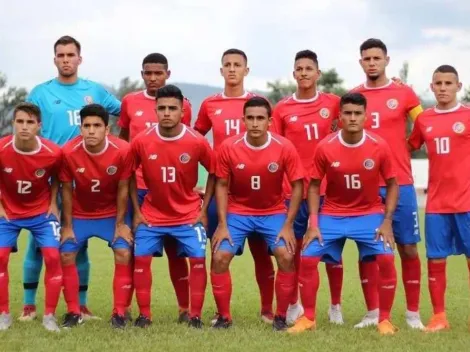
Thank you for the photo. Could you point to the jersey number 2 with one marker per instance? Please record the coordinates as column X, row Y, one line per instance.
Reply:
column 95, row 187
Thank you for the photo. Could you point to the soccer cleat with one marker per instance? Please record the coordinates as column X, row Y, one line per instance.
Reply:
column 71, row 320
column 215, row 318
column 142, row 322
column 414, row 320
column 279, row 323
column 28, row 314
column 302, row 324
column 118, row 321
column 294, row 312
column 87, row 314
column 222, row 323
column 183, row 317
column 335, row 315
column 370, row 319
column 5, row 321
column 437, row 323
column 50, row 323
column 267, row 317
column 195, row 322
column 385, row 327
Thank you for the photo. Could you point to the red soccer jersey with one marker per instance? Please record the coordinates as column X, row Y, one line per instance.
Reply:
column 387, row 113
column 24, row 177
column 223, row 115
column 170, row 169
column 353, row 173
column 305, row 123
column 138, row 114
column 447, row 138
column 255, row 174
column 96, row 176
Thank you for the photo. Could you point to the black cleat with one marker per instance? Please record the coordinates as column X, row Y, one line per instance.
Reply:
column 196, row 323
column 142, row 322
column 71, row 320
column 222, row 323
column 183, row 317
column 279, row 323
column 118, row 321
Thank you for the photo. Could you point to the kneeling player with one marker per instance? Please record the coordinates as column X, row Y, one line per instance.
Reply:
column 169, row 154
column 352, row 160
column 29, row 202
column 250, row 170
column 99, row 166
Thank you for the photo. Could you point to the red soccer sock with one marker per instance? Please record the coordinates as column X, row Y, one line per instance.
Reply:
column 71, row 284
column 309, row 280
column 264, row 271
column 283, row 286
column 222, row 290
column 4, row 280
column 298, row 252
column 411, row 275
column 369, row 272
column 197, row 285
column 52, row 278
column 143, row 283
column 387, row 284
column 437, row 282
column 179, row 273
column 131, row 293
column 122, row 287
column 335, row 280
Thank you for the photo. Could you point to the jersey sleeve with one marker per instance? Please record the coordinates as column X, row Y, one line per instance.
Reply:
column 110, row 103
column 416, row 140
column 222, row 167
column 187, row 116
column 127, row 164
column 413, row 104
column 124, row 118
column 319, row 164
column 293, row 164
column 65, row 173
column 206, row 157
column 277, row 126
column 387, row 167
column 203, row 123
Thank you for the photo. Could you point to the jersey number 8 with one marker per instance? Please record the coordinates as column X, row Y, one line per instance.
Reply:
column 255, row 182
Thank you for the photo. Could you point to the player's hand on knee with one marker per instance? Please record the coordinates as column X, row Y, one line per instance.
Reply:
column 123, row 231
column 385, row 233
column 311, row 235
column 139, row 218
column 221, row 234
column 53, row 210
column 67, row 234
column 202, row 218
column 287, row 234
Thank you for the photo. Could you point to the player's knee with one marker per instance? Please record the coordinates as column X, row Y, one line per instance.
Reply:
column 68, row 258
column 408, row 251
column 122, row 256
column 51, row 256
column 221, row 261
column 386, row 262
column 285, row 260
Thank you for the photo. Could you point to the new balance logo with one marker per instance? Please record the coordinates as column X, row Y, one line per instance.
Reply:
column 335, row 164
column 8, row 170
column 293, row 119
column 126, row 287
column 429, row 129
column 218, row 112
column 138, row 270
column 153, row 157
column 139, row 113
column 240, row 166
column 81, row 170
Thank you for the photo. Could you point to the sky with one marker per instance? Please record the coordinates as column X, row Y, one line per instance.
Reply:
column 116, row 35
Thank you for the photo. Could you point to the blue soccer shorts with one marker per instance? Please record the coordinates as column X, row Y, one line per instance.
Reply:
column 405, row 221
column 447, row 234
column 212, row 218
column 44, row 230
column 336, row 229
column 191, row 240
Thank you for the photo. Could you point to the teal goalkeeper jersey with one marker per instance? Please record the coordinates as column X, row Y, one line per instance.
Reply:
column 60, row 105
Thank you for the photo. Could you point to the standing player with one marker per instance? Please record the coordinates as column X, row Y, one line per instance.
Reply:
column 250, row 170
column 60, row 101
column 95, row 188
column 353, row 161
column 222, row 113
column 388, row 106
column 445, row 130
column 29, row 202
column 138, row 114
column 169, row 154
column 305, row 118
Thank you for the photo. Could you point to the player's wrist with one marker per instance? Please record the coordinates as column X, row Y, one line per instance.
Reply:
column 313, row 220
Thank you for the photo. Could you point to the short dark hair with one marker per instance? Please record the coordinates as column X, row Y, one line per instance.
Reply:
column 169, row 91
column 373, row 43
column 94, row 110
column 353, row 98
column 307, row 54
column 257, row 102
column 65, row 40
column 28, row 108
column 155, row 58
column 447, row 69
column 234, row 51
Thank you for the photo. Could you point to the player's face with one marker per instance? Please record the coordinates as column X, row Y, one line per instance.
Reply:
column 353, row 117
column 234, row 69
column 169, row 112
column 445, row 87
column 373, row 62
column 67, row 60
column 154, row 76
column 26, row 127
column 306, row 73
column 257, row 121
column 94, row 131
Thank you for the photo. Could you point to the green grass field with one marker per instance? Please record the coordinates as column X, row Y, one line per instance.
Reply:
column 248, row 333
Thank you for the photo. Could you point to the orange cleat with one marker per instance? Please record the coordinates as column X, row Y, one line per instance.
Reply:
column 437, row 323
column 385, row 327
column 302, row 324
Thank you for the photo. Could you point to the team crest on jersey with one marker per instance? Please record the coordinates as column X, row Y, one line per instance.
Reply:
column 325, row 113
column 458, row 127
column 40, row 173
column 88, row 99
column 184, row 158
column 392, row 104
column 273, row 167
column 369, row 164
column 111, row 170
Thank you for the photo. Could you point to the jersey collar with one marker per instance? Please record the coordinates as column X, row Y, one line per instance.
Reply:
column 175, row 138
column 101, row 152
column 311, row 100
column 455, row 108
column 355, row 145
column 264, row 146
column 384, row 86
column 27, row 153
column 147, row 95
column 244, row 95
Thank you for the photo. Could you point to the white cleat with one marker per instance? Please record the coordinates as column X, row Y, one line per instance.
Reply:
column 370, row 319
column 5, row 321
column 294, row 312
column 414, row 320
column 335, row 315
column 50, row 323
column 28, row 314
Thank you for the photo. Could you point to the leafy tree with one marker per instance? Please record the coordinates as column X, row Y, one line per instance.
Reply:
column 466, row 95
column 278, row 90
column 331, row 82
column 9, row 98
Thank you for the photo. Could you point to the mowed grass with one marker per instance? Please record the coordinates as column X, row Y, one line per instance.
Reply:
column 247, row 333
